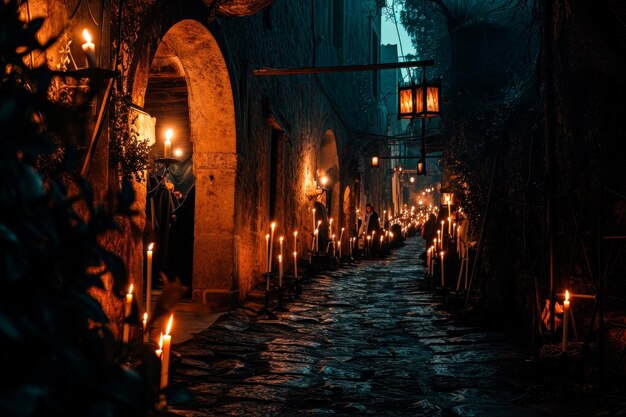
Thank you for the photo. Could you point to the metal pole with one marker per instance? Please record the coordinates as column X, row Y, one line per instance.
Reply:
column 342, row 68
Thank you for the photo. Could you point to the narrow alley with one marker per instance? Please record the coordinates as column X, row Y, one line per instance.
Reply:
column 370, row 339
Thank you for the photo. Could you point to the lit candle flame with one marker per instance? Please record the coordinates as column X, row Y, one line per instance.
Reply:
column 169, row 134
column 295, row 234
column 87, row 36
column 151, row 246
column 566, row 295
column 161, row 341
column 145, row 317
column 273, row 225
column 130, row 289
column 168, row 329
column 178, row 152
column 281, row 239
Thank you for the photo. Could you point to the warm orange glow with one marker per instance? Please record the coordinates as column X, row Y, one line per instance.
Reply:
column 130, row 289
column 432, row 99
column 566, row 295
column 178, row 152
column 406, row 101
column 151, row 247
column 168, row 329
column 324, row 181
column 161, row 341
column 295, row 234
column 273, row 226
column 145, row 317
column 87, row 36
column 374, row 161
column 169, row 134
column 442, row 254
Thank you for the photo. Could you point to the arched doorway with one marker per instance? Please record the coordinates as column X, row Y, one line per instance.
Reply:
column 328, row 165
column 189, row 66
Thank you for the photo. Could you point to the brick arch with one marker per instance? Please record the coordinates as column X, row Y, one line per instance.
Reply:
column 213, row 133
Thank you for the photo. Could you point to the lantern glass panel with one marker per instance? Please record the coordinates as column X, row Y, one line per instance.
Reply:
column 406, row 101
column 432, row 100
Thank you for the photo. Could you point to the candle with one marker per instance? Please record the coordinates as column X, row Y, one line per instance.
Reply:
column 167, row 151
column 341, row 234
column 145, row 327
column 339, row 247
column 428, row 260
column 295, row 264
column 280, row 271
column 438, row 238
column 267, row 253
column 149, row 280
column 159, row 351
column 442, row 274
column 317, row 240
column 442, row 222
column 565, row 320
column 280, row 239
column 330, row 227
column 165, row 357
column 313, row 219
column 432, row 261
column 295, row 240
column 89, row 49
column 449, row 223
column 127, row 309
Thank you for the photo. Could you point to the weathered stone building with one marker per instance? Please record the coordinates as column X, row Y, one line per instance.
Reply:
column 257, row 146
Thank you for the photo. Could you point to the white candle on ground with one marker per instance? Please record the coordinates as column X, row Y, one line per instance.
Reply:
column 295, row 240
column 145, row 327
column 165, row 357
column 127, row 309
column 149, row 280
column 273, row 227
column 267, row 253
column 565, row 320
column 442, row 274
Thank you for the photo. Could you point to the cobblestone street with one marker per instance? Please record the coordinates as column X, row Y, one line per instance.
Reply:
column 370, row 339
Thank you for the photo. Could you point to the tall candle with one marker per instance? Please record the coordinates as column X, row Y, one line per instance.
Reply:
column 89, row 49
column 442, row 274
column 127, row 309
column 565, row 320
column 280, row 271
column 273, row 227
column 436, row 240
column 339, row 247
column 280, row 239
column 449, row 224
column 442, row 222
column 149, row 280
column 165, row 357
column 295, row 264
column 295, row 240
column 330, row 227
column 317, row 240
column 428, row 260
column 313, row 219
column 267, row 253
column 145, row 327
column 167, row 151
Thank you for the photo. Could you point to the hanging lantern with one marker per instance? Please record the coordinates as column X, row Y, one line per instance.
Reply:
column 375, row 162
column 418, row 101
column 420, row 167
column 447, row 198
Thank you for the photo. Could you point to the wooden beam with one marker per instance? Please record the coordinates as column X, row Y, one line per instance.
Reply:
column 342, row 68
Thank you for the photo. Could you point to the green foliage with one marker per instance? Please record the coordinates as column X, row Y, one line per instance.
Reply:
column 57, row 356
column 129, row 152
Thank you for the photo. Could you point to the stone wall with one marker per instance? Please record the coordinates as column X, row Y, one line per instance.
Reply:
column 301, row 108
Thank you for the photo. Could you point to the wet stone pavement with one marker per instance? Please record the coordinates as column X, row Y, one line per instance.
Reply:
column 369, row 339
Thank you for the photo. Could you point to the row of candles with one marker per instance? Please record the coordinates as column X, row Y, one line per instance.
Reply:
column 165, row 339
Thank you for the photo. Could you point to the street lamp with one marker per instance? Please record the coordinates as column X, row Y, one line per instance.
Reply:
column 418, row 101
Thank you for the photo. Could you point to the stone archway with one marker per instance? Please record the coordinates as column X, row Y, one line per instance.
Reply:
column 212, row 132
